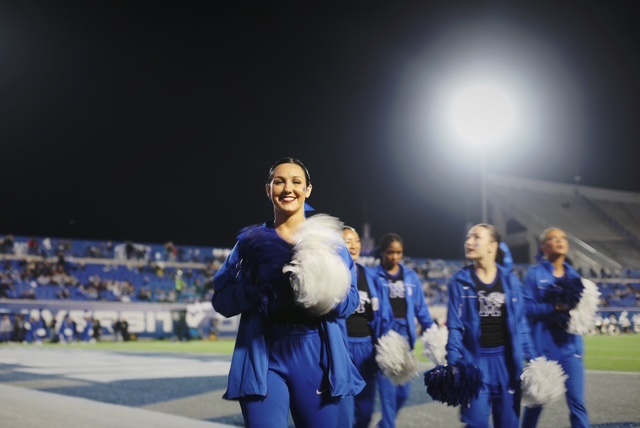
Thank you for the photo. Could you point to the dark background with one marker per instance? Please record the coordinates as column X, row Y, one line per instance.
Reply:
column 133, row 120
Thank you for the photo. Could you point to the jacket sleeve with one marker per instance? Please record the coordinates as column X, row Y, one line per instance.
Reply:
column 524, row 330
column 454, row 323
column 420, row 304
column 535, row 308
column 348, row 306
column 232, row 292
column 384, row 315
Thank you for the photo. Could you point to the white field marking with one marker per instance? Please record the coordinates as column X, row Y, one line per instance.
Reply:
column 106, row 367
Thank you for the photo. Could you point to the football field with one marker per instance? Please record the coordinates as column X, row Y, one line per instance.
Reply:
column 163, row 383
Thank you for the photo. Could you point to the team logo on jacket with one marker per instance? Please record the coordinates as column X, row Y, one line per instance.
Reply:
column 491, row 304
column 364, row 300
column 397, row 289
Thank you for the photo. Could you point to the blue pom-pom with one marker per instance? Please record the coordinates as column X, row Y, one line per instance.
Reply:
column 263, row 254
column 566, row 292
column 454, row 384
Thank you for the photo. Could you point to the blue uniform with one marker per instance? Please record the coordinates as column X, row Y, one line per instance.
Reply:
column 555, row 343
column 357, row 411
column 67, row 331
column 277, row 367
column 501, row 366
column 393, row 397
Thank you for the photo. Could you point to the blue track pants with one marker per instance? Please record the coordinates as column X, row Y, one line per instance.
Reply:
column 357, row 411
column 573, row 366
column 393, row 397
column 296, row 382
column 497, row 399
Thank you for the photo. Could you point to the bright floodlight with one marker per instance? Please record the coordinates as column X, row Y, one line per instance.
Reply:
column 481, row 112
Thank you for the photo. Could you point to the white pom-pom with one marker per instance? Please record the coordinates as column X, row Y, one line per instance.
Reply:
column 583, row 317
column 542, row 382
column 396, row 359
column 318, row 275
column 434, row 341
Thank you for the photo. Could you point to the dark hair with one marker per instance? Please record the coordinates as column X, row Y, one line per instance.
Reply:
column 493, row 233
column 272, row 170
column 385, row 242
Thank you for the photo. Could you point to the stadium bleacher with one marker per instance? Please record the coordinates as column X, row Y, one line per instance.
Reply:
column 77, row 271
column 603, row 225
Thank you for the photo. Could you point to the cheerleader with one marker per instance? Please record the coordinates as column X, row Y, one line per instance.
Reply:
column 293, row 283
column 370, row 320
column 488, row 330
column 402, row 290
column 552, row 291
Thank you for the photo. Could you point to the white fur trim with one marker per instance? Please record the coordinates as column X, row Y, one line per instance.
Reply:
column 434, row 341
column 396, row 359
column 583, row 317
column 543, row 381
column 319, row 276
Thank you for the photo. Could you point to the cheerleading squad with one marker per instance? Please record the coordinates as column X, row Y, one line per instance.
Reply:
column 321, row 334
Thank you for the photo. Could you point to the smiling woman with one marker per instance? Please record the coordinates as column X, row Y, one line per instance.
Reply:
column 293, row 282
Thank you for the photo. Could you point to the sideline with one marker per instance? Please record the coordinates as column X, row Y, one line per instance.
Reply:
column 59, row 411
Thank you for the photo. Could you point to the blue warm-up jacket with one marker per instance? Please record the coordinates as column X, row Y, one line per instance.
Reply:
column 548, row 337
column 416, row 303
column 383, row 314
column 463, row 321
column 234, row 294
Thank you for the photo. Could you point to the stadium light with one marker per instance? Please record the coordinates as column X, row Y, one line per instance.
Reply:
column 484, row 93
column 481, row 111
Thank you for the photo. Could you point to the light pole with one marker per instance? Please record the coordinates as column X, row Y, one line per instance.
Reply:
column 483, row 191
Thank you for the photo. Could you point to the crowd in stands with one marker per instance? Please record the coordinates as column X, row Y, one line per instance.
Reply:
column 151, row 282
column 60, row 269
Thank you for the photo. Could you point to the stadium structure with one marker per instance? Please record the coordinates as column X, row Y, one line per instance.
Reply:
column 603, row 225
column 58, row 287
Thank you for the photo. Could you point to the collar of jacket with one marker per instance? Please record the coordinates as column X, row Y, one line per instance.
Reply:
column 548, row 266
column 466, row 275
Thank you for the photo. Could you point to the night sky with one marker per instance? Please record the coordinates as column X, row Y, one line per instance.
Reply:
column 130, row 120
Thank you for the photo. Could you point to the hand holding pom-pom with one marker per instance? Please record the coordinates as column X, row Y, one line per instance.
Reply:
column 396, row 359
column 454, row 384
column 263, row 253
column 565, row 296
column 543, row 381
column 318, row 275
column 576, row 301
column 582, row 318
column 434, row 341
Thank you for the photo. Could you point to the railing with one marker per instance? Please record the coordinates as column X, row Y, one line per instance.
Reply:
column 579, row 249
column 611, row 220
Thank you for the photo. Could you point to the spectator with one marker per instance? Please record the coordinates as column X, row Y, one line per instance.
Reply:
column 6, row 328
column 19, row 329
column 46, row 248
column 129, row 250
column 97, row 329
column 117, row 330
column 32, row 247
column 67, row 331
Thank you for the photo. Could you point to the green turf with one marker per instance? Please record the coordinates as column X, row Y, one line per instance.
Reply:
column 608, row 353
column 613, row 353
